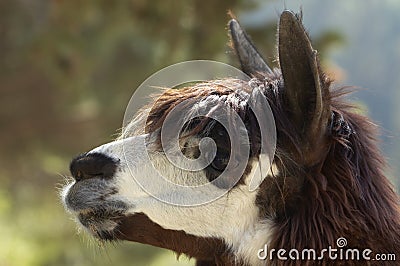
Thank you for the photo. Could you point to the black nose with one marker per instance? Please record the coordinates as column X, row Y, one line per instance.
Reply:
column 92, row 165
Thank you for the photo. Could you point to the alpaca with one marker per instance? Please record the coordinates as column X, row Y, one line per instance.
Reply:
column 325, row 182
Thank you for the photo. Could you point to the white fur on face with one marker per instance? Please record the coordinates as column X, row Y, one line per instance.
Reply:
column 233, row 217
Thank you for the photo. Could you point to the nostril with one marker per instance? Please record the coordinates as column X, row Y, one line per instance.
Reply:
column 92, row 165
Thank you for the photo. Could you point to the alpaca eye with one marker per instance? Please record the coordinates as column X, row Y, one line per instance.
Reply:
column 220, row 161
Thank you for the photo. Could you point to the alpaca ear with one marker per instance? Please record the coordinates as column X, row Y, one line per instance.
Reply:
column 250, row 59
column 304, row 95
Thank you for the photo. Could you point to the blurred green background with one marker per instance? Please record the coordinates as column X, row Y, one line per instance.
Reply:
column 69, row 68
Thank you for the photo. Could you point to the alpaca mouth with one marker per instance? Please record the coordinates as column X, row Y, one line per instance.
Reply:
column 95, row 205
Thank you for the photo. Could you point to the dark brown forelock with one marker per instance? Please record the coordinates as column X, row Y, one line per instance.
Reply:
column 232, row 92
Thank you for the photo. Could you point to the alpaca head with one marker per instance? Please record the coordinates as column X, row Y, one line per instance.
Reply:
column 221, row 165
